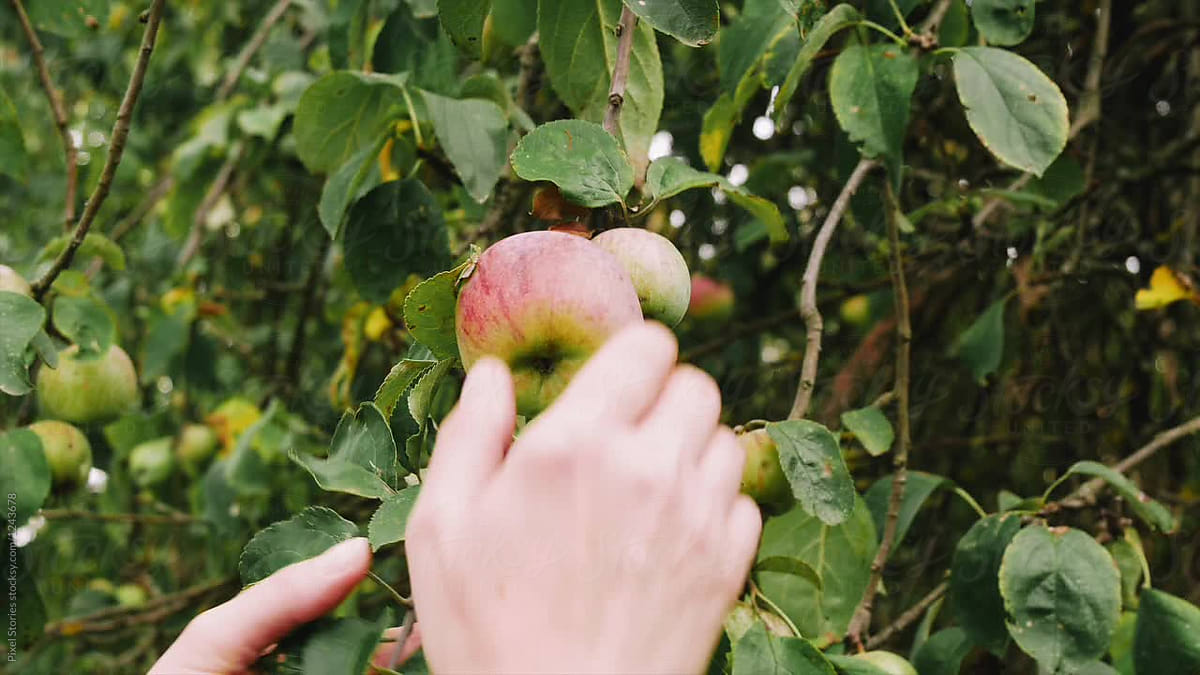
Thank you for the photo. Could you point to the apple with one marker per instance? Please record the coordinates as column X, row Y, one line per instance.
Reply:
column 196, row 445
column 711, row 299
column 657, row 269
column 130, row 595
column 856, row 310
column 888, row 662
column 543, row 302
column 152, row 462
column 86, row 391
column 67, row 451
column 762, row 476
column 13, row 282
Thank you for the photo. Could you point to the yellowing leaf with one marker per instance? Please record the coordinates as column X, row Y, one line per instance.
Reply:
column 231, row 419
column 1165, row 288
column 387, row 172
column 378, row 324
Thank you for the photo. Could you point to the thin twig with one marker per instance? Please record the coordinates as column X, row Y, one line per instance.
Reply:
column 808, row 290
column 113, row 618
column 861, row 620
column 76, row 514
column 910, row 615
column 56, row 108
column 406, row 627
column 1087, row 491
column 120, row 133
column 256, row 42
column 196, row 236
column 144, row 207
column 291, row 371
column 926, row 35
column 400, row 599
column 528, row 58
column 616, row 93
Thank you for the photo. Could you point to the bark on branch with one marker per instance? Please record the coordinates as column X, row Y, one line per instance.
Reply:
column 616, row 93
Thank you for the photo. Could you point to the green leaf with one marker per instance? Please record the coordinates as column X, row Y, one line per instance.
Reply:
column 340, row 114
column 871, row 88
column 463, row 21
column 669, row 176
column 1167, row 638
column 339, row 475
column 305, row 535
column 246, row 471
column 788, row 565
column 262, row 120
column 355, row 177
column 514, row 20
column 397, row 382
column 29, row 610
column 343, row 645
column 579, row 48
column 1149, row 510
column 429, row 312
column 943, row 652
column 956, row 25
column 840, row 17
column 421, row 396
column 94, row 245
column 390, row 519
column 25, row 481
column 981, row 345
column 813, row 464
column 365, row 439
column 761, row 653
column 918, row 487
column 1128, row 556
column 871, row 427
column 1003, row 22
column 840, row 554
column 395, row 230
column 1120, row 650
column 21, row 319
column 692, row 22
column 418, row 48
column 851, row 665
column 13, row 156
column 1062, row 595
column 581, row 158
column 85, row 322
column 474, row 135
column 974, row 579
column 1014, row 109
column 1062, row 182
column 68, row 18
column 716, row 130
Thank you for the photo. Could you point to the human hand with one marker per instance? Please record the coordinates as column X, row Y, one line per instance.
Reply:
column 229, row 638
column 610, row 537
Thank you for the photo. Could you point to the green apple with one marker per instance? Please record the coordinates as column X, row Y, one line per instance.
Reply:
column 86, row 391
column 762, row 476
column 543, row 302
column 67, row 451
column 856, row 310
column 13, row 282
column 711, row 299
column 152, row 462
column 657, row 269
column 130, row 595
column 197, row 443
column 892, row 664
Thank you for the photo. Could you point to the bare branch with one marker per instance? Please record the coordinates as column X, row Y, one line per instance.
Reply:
column 120, row 133
column 910, row 615
column 1087, row 492
column 861, row 620
column 256, row 42
column 196, row 236
column 114, row 618
column 57, row 109
column 146, row 519
column 808, row 291
column 616, row 93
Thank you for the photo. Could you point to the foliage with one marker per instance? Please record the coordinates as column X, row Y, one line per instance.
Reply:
column 299, row 202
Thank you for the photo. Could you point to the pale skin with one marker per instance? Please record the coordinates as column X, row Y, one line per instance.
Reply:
column 609, row 537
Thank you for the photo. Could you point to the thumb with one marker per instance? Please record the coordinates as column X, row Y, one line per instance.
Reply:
column 475, row 435
column 230, row 637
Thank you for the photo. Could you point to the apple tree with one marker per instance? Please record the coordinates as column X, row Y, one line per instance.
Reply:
column 938, row 254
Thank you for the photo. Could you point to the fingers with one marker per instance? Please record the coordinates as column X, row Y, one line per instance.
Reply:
column 684, row 417
column 744, row 528
column 229, row 637
column 720, row 469
column 621, row 381
column 475, row 435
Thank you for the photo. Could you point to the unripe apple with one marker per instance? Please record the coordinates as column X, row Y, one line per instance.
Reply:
column 762, row 477
column 67, row 451
column 85, row 391
column 856, row 310
column 657, row 269
column 711, row 299
column 130, row 595
column 197, row 443
column 152, row 462
column 13, row 282
column 892, row 664
column 543, row 302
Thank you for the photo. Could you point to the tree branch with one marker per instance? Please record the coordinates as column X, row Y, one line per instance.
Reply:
column 114, row 618
column 808, row 291
column 910, row 615
column 196, row 236
column 291, row 371
column 616, row 93
column 256, row 42
column 57, row 109
column 1087, row 492
column 74, row 514
column 862, row 614
column 120, row 133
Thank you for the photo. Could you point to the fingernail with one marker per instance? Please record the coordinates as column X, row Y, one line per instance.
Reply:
column 345, row 555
